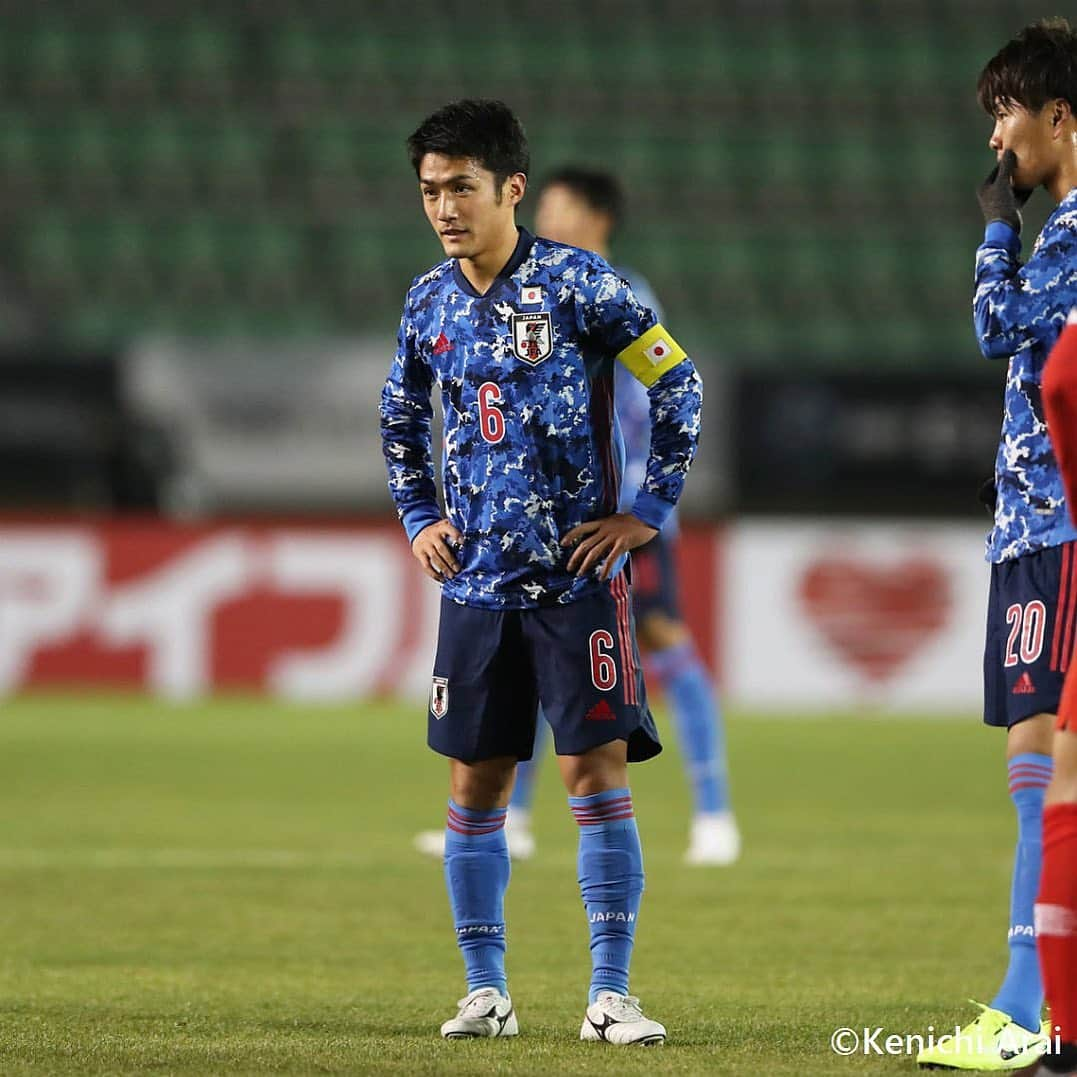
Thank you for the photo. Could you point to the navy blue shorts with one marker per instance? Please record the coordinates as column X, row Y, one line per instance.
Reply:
column 654, row 578
column 494, row 667
column 1030, row 634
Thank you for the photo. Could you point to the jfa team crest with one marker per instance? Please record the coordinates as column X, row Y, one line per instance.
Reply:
column 532, row 336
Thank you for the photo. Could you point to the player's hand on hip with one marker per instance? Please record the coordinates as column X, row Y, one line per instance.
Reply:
column 605, row 540
column 999, row 199
column 433, row 549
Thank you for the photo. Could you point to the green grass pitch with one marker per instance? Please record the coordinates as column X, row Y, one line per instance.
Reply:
column 231, row 888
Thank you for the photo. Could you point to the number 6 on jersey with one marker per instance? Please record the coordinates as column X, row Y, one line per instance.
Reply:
column 491, row 421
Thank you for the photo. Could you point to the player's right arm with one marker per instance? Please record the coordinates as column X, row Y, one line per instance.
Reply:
column 405, row 433
column 1012, row 300
column 1013, row 303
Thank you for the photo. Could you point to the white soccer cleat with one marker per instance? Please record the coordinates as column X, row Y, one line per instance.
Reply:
column 618, row 1019
column 715, row 840
column 485, row 1012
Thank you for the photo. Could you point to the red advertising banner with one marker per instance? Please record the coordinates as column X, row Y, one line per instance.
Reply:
column 313, row 612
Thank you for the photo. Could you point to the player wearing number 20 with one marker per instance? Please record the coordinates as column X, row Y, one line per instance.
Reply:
column 1029, row 89
column 522, row 335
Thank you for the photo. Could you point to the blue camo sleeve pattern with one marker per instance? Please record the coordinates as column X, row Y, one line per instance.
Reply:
column 607, row 309
column 405, row 433
column 676, row 411
column 1015, row 305
column 1018, row 313
column 634, row 406
column 610, row 313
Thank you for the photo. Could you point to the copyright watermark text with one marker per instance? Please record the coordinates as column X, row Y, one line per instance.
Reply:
column 878, row 1041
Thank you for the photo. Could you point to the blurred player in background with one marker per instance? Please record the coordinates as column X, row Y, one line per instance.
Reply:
column 522, row 336
column 1056, row 905
column 1030, row 90
column 583, row 208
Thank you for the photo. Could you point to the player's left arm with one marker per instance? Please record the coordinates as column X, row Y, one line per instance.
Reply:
column 675, row 391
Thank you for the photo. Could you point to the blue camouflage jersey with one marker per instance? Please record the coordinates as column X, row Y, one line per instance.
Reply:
column 1018, row 313
column 532, row 445
column 633, row 408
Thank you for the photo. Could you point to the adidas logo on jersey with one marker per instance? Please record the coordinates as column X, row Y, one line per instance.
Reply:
column 442, row 345
column 1024, row 686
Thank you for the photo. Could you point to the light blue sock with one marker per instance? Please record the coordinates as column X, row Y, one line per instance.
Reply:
column 523, row 792
column 477, row 875
column 610, row 867
column 1021, row 993
column 699, row 723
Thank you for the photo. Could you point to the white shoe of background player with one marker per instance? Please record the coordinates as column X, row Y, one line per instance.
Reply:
column 518, row 834
column 715, row 840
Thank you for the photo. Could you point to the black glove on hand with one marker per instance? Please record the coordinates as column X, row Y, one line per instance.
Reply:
column 999, row 199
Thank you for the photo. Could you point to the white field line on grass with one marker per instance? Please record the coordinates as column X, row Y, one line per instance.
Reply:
column 15, row 859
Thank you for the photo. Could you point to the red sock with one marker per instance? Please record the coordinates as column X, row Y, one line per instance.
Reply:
column 1056, row 917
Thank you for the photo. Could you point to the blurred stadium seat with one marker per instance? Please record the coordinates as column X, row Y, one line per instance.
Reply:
column 800, row 174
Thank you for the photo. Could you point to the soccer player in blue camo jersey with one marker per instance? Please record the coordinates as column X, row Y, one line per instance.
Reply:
column 521, row 336
column 583, row 207
column 1030, row 90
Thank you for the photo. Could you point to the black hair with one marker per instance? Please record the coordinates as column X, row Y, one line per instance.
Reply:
column 601, row 191
column 1037, row 66
column 484, row 131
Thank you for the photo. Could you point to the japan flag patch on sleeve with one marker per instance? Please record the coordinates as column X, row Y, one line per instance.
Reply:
column 651, row 355
column 659, row 351
column 439, row 697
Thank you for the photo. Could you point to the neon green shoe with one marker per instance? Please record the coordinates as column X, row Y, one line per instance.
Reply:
column 992, row 1042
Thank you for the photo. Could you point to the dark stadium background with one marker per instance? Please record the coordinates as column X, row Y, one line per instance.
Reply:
column 800, row 181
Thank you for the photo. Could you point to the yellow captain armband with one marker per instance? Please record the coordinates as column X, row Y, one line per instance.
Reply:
column 651, row 355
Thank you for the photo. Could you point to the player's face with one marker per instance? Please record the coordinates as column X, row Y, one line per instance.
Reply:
column 461, row 204
column 563, row 216
column 1029, row 135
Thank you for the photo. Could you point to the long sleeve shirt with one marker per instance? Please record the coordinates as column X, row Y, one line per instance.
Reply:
column 532, row 443
column 1018, row 312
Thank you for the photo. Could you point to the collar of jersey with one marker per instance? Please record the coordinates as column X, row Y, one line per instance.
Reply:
column 523, row 249
column 1067, row 205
